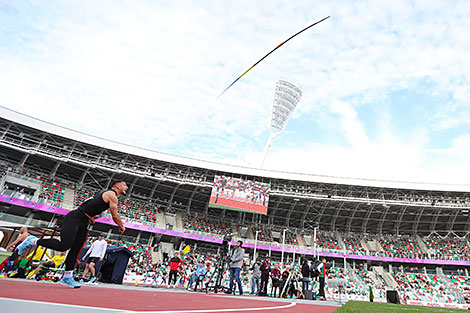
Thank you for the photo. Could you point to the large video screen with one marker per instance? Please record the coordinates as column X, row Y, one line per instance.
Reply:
column 240, row 194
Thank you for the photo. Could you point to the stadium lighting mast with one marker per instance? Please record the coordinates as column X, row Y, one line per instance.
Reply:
column 283, row 244
column 286, row 97
column 256, row 241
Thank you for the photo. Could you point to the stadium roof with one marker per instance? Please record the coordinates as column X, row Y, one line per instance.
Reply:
column 147, row 153
column 296, row 200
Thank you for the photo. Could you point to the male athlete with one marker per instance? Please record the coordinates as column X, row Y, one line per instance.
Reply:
column 75, row 228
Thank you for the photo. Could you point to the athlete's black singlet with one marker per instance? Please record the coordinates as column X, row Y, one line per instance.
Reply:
column 95, row 205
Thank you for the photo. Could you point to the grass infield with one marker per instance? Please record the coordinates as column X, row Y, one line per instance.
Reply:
column 368, row 307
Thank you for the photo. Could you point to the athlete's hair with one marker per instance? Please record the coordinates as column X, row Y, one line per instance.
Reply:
column 117, row 182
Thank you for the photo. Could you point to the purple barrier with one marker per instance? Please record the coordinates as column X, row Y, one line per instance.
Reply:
column 109, row 221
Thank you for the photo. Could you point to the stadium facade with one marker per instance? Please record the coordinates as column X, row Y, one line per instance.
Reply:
column 297, row 200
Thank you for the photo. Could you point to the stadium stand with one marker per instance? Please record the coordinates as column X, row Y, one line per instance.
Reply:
column 291, row 238
column 354, row 245
column 140, row 263
column 401, row 247
column 327, row 241
column 448, row 248
column 264, row 233
column 422, row 287
column 205, row 225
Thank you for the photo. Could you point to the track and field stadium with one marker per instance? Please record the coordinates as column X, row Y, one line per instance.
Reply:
column 384, row 241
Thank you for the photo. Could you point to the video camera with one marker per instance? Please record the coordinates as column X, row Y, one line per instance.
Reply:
column 226, row 243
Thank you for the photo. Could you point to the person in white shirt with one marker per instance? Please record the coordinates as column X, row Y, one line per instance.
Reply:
column 96, row 252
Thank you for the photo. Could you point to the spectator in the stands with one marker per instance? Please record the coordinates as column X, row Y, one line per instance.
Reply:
column 4, row 188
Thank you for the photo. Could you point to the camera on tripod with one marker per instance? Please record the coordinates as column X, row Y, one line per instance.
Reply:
column 226, row 240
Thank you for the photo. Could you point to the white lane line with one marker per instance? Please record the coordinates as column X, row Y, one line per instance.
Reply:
column 227, row 310
column 181, row 311
column 63, row 305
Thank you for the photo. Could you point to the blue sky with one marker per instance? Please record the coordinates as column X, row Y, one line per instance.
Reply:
column 385, row 84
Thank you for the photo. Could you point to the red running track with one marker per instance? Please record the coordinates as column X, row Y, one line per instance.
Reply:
column 142, row 300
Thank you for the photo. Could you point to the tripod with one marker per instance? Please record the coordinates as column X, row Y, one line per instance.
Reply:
column 218, row 274
column 287, row 283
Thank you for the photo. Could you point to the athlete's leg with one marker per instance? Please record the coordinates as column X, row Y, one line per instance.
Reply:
column 87, row 268
column 80, row 239
column 92, row 269
column 68, row 233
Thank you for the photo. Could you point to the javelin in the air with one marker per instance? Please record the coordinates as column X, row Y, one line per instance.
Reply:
column 270, row 53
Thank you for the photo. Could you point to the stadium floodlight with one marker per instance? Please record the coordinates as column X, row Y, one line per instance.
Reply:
column 286, row 97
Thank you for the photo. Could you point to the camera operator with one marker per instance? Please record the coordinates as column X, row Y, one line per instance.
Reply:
column 236, row 262
column 305, row 275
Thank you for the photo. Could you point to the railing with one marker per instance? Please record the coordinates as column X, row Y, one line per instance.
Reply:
column 456, row 292
column 22, row 220
column 356, row 280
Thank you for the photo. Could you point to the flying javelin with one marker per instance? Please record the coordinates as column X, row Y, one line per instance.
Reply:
column 277, row 47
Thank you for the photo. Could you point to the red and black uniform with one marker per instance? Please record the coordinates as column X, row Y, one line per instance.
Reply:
column 265, row 270
column 321, row 280
column 276, row 279
column 174, row 263
column 284, row 277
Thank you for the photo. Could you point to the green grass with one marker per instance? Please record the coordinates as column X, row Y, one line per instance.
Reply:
column 368, row 307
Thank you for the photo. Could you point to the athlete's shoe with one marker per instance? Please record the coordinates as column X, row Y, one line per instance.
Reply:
column 92, row 280
column 25, row 245
column 69, row 282
column 81, row 281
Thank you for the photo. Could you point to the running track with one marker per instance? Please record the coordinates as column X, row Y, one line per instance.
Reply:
column 137, row 299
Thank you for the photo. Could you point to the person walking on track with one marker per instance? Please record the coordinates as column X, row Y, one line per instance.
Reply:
column 96, row 252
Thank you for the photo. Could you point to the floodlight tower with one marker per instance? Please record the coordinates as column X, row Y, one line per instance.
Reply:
column 286, row 97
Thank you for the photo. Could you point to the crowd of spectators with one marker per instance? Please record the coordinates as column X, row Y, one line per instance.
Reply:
column 264, row 234
column 206, row 225
column 354, row 245
column 144, row 212
column 401, row 247
column 52, row 191
column 448, row 249
column 423, row 287
column 291, row 238
column 327, row 241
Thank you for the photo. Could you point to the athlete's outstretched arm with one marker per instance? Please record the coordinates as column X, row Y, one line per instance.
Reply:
column 21, row 237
